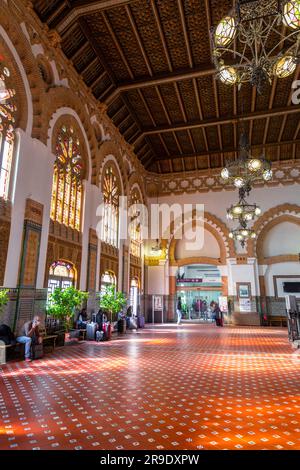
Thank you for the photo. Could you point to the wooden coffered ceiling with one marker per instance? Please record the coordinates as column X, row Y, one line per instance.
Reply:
column 150, row 62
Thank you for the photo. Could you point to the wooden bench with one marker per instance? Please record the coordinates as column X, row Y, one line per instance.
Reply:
column 48, row 338
column 81, row 331
column 277, row 321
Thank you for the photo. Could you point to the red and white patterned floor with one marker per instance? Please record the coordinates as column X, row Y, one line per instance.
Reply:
column 166, row 387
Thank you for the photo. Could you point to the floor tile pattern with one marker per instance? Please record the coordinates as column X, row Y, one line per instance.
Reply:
column 165, row 387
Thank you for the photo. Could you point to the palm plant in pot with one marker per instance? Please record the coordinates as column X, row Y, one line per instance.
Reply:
column 113, row 302
column 64, row 302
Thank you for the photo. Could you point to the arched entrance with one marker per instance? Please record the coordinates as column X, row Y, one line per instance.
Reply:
column 62, row 274
column 134, row 295
column 198, row 285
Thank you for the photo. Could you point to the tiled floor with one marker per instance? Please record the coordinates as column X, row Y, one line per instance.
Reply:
column 166, row 387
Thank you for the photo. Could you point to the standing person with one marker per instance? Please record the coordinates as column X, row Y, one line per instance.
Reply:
column 217, row 313
column 29, row 335
column 179, row 311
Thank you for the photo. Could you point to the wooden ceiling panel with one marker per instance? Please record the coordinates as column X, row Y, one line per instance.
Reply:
column 157, row 146
column 198, row 139
column 225, row 99
column 212, row 137
column 171, row 102
column 258, row 131
column 120, row 24
column 139, row 108
column 185, row 142
column 227, row 135
column 73, row 41
column 197, row 28
column 205, row 86
column 274, row 129
column 286, row 152
column 171, row 143
column 291, row 128
column 153, row 101
column 177, row 164
column 187, row 93
column 150, row 62
column 283, row 90
column 173, row 33
column 104, row 40
column 144, row 19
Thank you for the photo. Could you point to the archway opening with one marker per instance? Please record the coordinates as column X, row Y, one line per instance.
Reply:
column 62, row 274
column 134, row 295
column 108, row 278
column 198, row 285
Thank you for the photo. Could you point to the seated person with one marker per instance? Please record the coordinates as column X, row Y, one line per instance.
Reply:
column 82, row 319
column 29, row 335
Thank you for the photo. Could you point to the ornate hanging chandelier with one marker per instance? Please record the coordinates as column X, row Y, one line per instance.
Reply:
column 243, row 171
column 257, row 41
column 243, row 211
column 242, row 234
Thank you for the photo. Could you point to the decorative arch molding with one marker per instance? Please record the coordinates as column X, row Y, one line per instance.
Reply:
column 67, row 116
column 109, row 151
column 217, row 228
column 271, row 218
column 64, row 101
column 134, row 181
column 14, row 39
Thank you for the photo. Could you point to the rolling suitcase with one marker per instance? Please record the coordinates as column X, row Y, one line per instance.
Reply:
column 106, row 327
column 141, row 321
column 91, row 329
column 122, row 325
column 100, row 336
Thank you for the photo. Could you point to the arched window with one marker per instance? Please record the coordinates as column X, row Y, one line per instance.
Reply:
column 135, row 226
column 134, row 295
column 107, row 279
column 110, row 222
column 62, row 274
column 67, row 179
column 7, row 135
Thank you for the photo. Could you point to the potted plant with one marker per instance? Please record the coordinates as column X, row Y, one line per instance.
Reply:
column 63, row 302
column 113, row 302
column 3, row 299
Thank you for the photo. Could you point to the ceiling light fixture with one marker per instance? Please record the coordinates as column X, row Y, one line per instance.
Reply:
column 257, row 41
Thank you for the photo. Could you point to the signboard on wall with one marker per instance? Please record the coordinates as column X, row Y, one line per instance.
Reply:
column 245, row 305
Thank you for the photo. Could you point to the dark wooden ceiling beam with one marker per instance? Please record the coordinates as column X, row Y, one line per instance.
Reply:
column 85, row 8
column 231, row 150
column 98, row 79
column 215, row 122
column 162, row 79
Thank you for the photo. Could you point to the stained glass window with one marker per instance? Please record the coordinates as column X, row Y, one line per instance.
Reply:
column 135, row 226
column 67, row 179
column 7, row 135
column 110, row 222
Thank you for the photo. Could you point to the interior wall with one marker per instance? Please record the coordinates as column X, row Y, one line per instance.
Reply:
column 209, row 249
column 283, row 239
